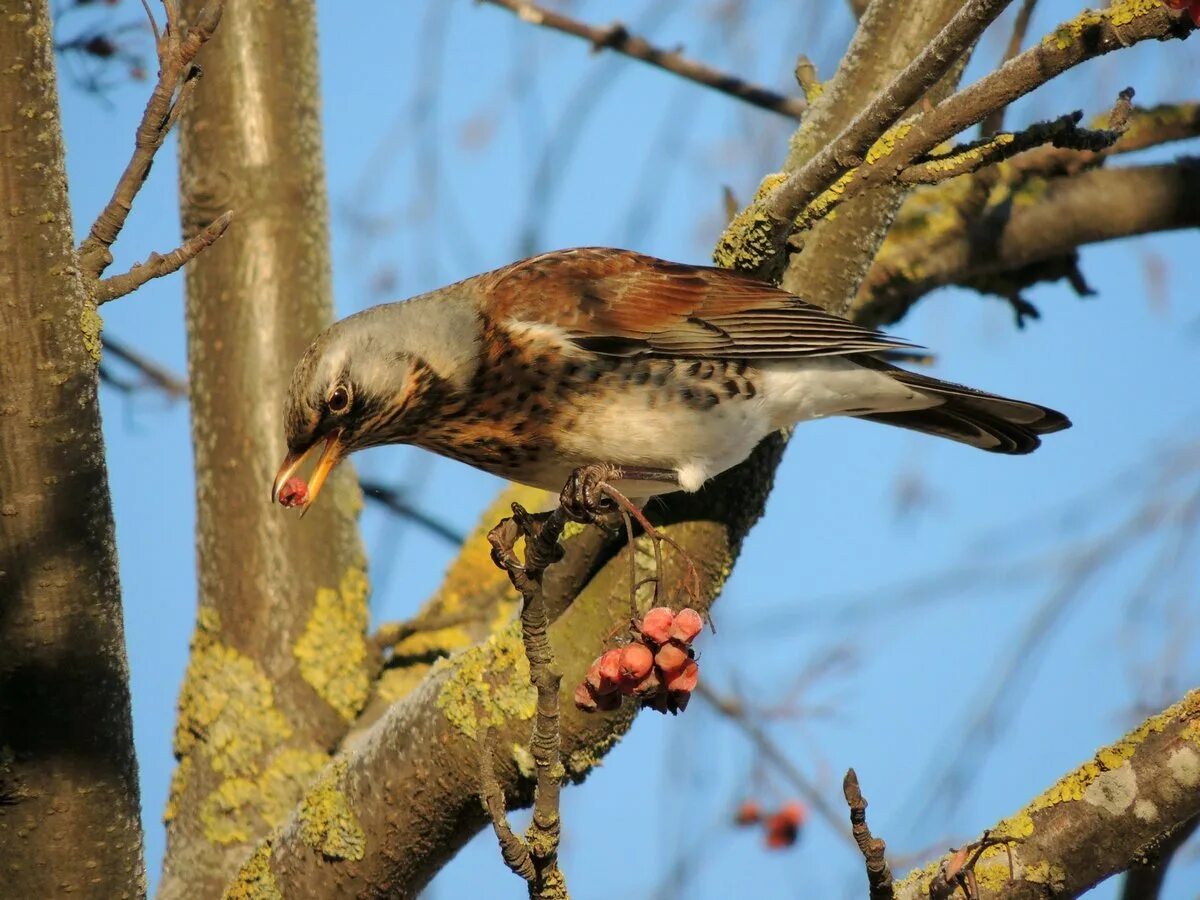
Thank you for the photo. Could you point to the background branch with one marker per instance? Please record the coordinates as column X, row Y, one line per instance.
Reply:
column 617, row 37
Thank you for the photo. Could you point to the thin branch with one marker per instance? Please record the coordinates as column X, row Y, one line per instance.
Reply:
column 1062, row 133
column 156, row 266
column 879, row 874
column 176, row 74
column 534, row 857
column 617, row 37
column 152, row 373
column 995, row 120
column 1144, row 881
column 394, row 501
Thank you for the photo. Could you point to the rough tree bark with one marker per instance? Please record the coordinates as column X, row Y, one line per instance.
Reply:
column 69, row 817
column 279, row 665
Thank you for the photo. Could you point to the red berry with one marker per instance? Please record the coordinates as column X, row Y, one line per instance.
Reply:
column 686, row 678
column 794, row 812
column 670, row 658
column 636, row 662
column 687, row 625
column 656, row 624
column 748, row 813
column 604, row 674
column 781, row 830
column 1192, row 7
column 610, row 670
column 294, row 492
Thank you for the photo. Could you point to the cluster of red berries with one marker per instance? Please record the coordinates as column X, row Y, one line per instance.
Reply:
column 781, row 828
column 1192, row 6
column 658, row 667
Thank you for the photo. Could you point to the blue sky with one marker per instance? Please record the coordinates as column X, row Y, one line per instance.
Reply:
column 436, row 123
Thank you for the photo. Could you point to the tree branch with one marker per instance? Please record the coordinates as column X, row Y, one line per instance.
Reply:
column 616, row 37
column 1096, row 821
column 1017, row 244
column 153, row 374
column 781, row 206
column 157, row 266
column 176, row 48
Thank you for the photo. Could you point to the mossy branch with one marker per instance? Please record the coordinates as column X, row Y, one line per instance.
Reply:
column 1096, row 821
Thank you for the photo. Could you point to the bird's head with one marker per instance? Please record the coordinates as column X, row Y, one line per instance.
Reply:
column 361, row 384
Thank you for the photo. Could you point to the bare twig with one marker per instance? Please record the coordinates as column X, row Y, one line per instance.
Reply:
column 618, row 38
column 152, row 373
column 395, row 502
column 176, row 49
column 158, row 265
column 879, row 874
column 1063, row 133
column 535, row 856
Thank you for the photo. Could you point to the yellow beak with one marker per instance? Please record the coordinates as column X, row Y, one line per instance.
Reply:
column 331, row 455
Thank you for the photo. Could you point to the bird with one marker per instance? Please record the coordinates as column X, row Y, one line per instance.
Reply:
column 666, row 373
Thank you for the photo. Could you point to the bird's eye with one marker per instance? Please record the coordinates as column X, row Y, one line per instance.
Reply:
column 339, row 399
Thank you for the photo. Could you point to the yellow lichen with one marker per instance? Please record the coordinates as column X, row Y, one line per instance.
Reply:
column 332, row 652
column 489, row 684
column 229, row 704
column 241, row 807
column 90, row 324
column 255, row 881
column 1120, row 12
column 747, row 241
column 327, row 823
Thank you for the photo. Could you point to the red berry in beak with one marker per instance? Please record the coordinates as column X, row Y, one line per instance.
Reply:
column 293, row 493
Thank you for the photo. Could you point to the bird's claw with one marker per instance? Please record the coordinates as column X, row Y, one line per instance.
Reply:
column 583, row 498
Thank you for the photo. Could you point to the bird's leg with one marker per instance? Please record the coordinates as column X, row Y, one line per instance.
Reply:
column 590, row 497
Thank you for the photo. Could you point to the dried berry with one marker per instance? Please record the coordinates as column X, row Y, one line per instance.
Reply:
column 748, row 813
column 610, row 670
column 686, row 678
column 584, row 698
column 686, row 626
column 656, row 624
column 671, row 658
column 636, row 662
column 294, row 492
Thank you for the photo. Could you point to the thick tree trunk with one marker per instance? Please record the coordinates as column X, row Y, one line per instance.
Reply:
column 279, row 663
column 69, row 817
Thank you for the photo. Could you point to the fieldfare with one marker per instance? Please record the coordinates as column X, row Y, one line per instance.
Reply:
column 669, row 374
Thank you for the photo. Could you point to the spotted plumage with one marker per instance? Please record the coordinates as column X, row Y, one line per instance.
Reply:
column 672, row 372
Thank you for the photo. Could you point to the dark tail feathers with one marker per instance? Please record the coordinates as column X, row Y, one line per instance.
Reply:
column 992, row 423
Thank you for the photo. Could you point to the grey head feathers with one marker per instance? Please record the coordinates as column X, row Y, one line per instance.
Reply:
column 372, row 355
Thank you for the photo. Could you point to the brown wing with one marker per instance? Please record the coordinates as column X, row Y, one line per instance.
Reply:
column 623, row 303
